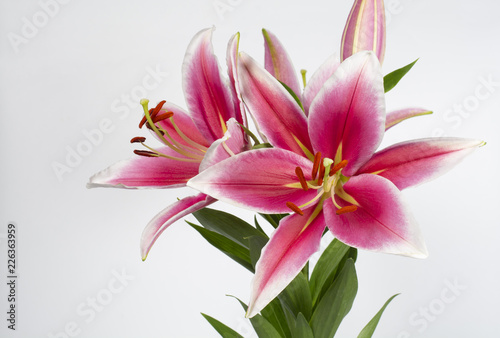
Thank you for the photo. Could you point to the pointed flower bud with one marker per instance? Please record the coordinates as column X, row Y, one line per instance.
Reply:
column 365, row 29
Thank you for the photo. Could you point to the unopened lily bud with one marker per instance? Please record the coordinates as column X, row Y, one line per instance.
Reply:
column 364, row 29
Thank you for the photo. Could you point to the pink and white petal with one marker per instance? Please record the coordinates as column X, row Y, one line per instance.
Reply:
column 146, row 172
column 278, row 62
column 318, row 79
column 258, row 180
column 232, row 143
column 232, row 68
column 414, row 162
column 208, row 97
column 184, row 123
column 382, row 221
column 169, row 215
column 286, row 253
column 398, row 116
column 349, row 111
column 365, row 29
column 274, row 110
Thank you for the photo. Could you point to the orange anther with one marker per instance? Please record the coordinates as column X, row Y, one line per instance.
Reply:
column 317, row 160
column 302, row 179
column 338, row 166
column 349, row 208
column 294, row 208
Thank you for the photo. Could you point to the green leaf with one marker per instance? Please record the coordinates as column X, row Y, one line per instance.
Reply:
column 274, row 219
column 302, row 328
column 257, row 225
column 237, row 252
column 392, row 79
column 297, row 296
column 295, row 97
column 261, row 326
column 224, row 331
column 256, row 243
column 274, row 314
column 227, row 225
column 336, row 303
column 326, row 267
column 369, row 329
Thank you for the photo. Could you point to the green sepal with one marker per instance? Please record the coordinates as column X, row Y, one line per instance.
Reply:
column 227, row 225
column 392, row 79
column 222, row 329
column 262, row 145
column 336, row 303
column 238, row 253
column 262, row 326
column 369, row 329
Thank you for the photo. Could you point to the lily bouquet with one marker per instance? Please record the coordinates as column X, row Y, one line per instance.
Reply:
column 308, row 162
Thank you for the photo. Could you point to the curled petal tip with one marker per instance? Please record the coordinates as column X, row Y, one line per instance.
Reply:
column 365, row 29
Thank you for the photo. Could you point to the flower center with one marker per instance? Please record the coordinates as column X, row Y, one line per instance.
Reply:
column 160, row 121
column 329, row 181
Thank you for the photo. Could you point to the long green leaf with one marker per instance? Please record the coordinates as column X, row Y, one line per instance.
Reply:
column 392, row 79
column 224, row 331
column 336, row 303
column 261, row 326
column 326, row 266
column 227, row 225
column 297, row 296
column 256, row 243
column 237, row 252
column 274, row 219
column 302, row 328
column 274, row 314
column 369, row 329
column 295, row 97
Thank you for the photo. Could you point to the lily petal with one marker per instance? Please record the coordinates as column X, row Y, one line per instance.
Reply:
column 365, row 29
column 184, row 123
column 146, row 172
column 232, row 69
column 170, row 215
column 318, row 79
column 231, row 144
column 382, row 221
column 349, row 112
column 258, row 179
column 398, row 116
column 413, row 162
column 278, row 62
column 275, row 111
column 286, row 253
column 208, row 98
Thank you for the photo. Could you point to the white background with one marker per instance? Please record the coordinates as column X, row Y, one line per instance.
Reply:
column 76, row 70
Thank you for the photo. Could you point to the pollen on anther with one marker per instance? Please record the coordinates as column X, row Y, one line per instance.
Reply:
column 321, row 173
column 294, row 208
column 302, row 179
column 157, row 109
column 163, row 116
column 145, row 153
column 138, row 139
column 144, row 119
column 346, row 209
column 317, row 159
column 338, row 166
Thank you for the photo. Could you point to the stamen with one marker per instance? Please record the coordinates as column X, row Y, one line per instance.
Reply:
column 321, row 173
column 349, row 208
column 157, row 108
column 138, row 139
column 160, row 117
column 294, row 208
column 145, row 153
column 337, row 167
column 302, row 179
column 144, row 119
column 317, row 159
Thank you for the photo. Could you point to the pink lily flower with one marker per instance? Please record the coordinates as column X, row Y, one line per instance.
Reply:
column 192, row 140
column 325, row 169
column 364, row 29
